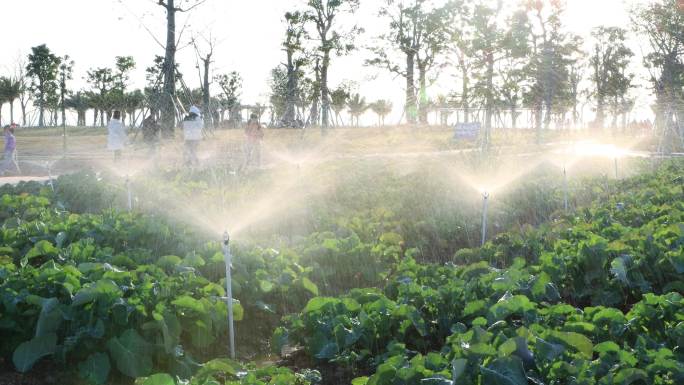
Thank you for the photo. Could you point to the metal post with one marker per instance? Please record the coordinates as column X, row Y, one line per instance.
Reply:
column 129, row 194
column 52, row 185
column 229, row 292
column 565, row 189
column 485, row 201
column 64, row 140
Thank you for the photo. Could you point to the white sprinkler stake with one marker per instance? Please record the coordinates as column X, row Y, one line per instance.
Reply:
column 229, row 292
column 485, row 201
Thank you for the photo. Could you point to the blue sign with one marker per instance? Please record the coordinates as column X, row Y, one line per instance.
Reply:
column 467, row 131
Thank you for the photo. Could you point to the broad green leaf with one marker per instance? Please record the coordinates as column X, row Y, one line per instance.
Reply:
column 630, row 375
column 504, row 371
column 310, row 286
column 328, row 351
column 42, row 248
column 318, row 303
column 547, row 350
column 130, row 353
column 27, row 353
column 607, row 347
column 60, row 239
column 222, row 366
column 265, row 286
column 50, row 317
column 95, row 369
column 158, row 379
column 576, row 341
column 168, row 262
column 360, row 381
column 188, row 303
column 458, row 367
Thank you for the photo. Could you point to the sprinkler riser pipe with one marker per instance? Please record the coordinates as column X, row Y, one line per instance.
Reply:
column 227, row 257
column 616, row 168
column 129, row 194
column 565, row 189
column 485, row 206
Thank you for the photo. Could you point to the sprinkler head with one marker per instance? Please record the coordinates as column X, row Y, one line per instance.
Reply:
column 226, row 238
column 485, row 195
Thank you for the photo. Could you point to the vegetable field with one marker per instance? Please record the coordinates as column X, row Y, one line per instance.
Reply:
column 363, row 290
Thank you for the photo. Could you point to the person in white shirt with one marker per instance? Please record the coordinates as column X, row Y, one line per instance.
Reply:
column 192, row 134
column 116, row 135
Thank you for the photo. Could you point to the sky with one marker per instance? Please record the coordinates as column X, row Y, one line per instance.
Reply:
column 248, row 33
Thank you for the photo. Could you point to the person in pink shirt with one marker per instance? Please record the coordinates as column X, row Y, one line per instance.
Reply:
column 10, row 157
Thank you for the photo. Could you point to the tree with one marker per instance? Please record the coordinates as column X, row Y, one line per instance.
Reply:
column 132, row 101
column 435, row 23
column 25, row 94
column 491, row 43
column 102, row 80
column 169, row 69
column 332, row 39
column 10, row 90
column 66, row 70
column 205, row 76
column 42, row 68
column 382, row 108
column 405, row 35
column 357, row 106
column 662, row 22
column 295, row 61
column 278, row 96
column 609, row 62
column 124, row 65
column 231, row 86
column 553, row 53
column 80, row 103
column 338, row 102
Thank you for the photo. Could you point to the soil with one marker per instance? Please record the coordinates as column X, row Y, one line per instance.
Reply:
column 44, row 373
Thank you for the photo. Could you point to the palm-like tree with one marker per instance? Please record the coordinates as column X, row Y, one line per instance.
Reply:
column 338, row 102
column 10, row 90
column 382, row 108
column 80, row 103
column 357, row 106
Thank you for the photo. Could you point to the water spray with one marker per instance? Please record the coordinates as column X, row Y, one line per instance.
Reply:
column 229, row 291
column 485, row 204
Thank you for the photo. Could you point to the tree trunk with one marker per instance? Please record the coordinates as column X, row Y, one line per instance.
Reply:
column 11, row 103
column 206, row 92
column 290, row 97
column 465, row 94
column 41, row 105
column 514, row 117
column 23, row 112
column 313, row 115
column 95, row 112
column 490, row 99
column 422, row 100
column 410, row 89
column 325, row 100
column 168, row 110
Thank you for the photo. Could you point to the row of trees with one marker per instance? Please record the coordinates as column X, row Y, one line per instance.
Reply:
column 503, row 58
column 498, row 58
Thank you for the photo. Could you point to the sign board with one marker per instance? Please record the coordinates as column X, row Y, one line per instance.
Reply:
column 467, row 131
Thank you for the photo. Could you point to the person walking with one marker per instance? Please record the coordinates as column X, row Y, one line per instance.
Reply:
column 192, row 134
column 116, row 135
column 10, row 156
column 255, row 134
